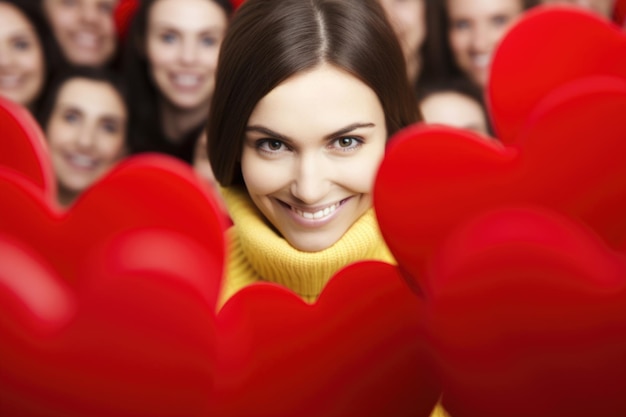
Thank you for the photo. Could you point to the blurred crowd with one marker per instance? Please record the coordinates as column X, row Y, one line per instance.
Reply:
column 110, row 78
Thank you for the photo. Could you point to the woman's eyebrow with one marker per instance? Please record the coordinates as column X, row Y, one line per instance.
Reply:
column 349, row 129
column 342, row 131
column 266, row 131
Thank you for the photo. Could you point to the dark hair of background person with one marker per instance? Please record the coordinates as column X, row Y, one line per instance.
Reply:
column 439, row 63
column 53, row 58
column 145, row 131
column 269, row 41
column 459, row 85
column 68, row 73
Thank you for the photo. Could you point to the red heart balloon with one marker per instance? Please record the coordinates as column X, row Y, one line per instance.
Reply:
column 569, row 159
column 547, row 49
column 109, row 309
column 23, row 149
column 143, row 193
column 360, row 350
column 529, row 311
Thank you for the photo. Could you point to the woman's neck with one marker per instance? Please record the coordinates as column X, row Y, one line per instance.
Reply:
column 177, row 122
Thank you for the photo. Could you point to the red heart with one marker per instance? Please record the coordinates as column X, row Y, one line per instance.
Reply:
column 23, row 149
column 570, row 159
column 359, row 351
column 548, row 49
column 530, row 315
column 109, row 309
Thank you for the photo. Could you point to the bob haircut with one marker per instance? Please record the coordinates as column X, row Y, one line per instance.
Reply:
column 143, row 92
column 102, row 75
column 271, row 40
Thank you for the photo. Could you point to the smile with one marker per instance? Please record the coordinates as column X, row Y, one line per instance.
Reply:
column 317, row 214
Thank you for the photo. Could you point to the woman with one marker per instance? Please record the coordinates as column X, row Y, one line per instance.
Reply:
column 170, row 65
column 307, row 94
column 457, row 103
column 84, row 118
column 84, row 30
column 469, row 32
column 26, row 54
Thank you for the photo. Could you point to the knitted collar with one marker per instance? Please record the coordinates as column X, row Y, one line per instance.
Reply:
column 305, row 273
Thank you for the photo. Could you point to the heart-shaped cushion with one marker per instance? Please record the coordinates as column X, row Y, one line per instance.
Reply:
column 547, row 49
column 109, row 309
column 22, row 148
column 569, row 159
column 529, row 312
column 361, row 350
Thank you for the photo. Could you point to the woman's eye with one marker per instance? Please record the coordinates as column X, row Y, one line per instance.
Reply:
column 168, row 37
column 347, row 143
column 461, row 24
column 71, row 117
column 209, row 41
column 271, row 145
column 500, row 20
column 21, row 44
column 110, row 127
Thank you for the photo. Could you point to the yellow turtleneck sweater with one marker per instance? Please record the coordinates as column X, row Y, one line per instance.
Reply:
column 257, row 253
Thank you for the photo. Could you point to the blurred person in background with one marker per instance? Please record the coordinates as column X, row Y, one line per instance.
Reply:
column 84, row 29
column 170, row 63
column 84, row 118
column 27, row 54
column 603, row 8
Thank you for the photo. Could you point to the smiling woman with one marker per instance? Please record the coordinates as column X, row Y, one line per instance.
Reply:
column 296, row 143
column 170, row 62
column 26, row 53
column 84, row 29
column 84, row 119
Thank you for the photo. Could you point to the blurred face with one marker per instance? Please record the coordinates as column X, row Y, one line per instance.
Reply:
column 475, row 29
column 409, row 23
column 84, row 29
column 86, row 133
column 22, row 68
column 602, row 7
column 311, row 152
column 456, row 110
column 183, row 42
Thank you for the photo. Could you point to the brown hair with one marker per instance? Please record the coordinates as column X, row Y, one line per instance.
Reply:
column 268, row 41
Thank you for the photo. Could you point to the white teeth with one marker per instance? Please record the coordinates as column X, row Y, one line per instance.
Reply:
column 187, row 80
column 82, row 161
column 86, row 40
column 318, row 214
column 481, row 60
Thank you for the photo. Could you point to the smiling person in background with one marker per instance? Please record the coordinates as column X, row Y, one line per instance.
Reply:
column 473, row 29
column 603, row 8
column 84, row 30
column 170, row 64
column 84, row 118
column 26, row 53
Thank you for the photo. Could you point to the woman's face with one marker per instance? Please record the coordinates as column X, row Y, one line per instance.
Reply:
column 311, row 152
column 603, row 8
column 22, row 67
column 475, row 29
column 409, row 23
column 86, row 132
column 453, row 109
column 183, row 42
column 84, row 29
